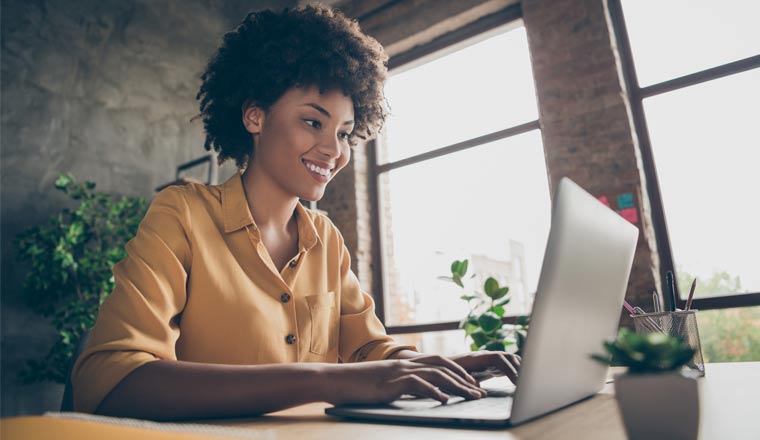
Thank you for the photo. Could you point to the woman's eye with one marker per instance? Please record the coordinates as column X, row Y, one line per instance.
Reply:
column 344, row 136
column 314, row 123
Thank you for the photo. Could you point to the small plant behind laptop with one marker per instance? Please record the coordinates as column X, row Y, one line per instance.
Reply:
column 655, row 398
column 483, row 324
column 70, row 261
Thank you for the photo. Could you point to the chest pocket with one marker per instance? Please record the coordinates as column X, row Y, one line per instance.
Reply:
column 323, row 330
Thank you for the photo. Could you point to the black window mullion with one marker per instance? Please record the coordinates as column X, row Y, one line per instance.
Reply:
column 460, row 146
column 700, row 77
column 645, row 146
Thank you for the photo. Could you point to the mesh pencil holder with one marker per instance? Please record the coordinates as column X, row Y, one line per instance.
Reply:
column 681, row 324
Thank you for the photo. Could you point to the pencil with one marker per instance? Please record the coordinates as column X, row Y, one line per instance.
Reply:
column 691, row 294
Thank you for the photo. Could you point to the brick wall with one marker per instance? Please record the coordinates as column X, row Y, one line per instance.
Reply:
column 585, row 116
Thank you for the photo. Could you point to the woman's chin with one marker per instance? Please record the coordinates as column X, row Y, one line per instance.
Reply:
column 312, row 197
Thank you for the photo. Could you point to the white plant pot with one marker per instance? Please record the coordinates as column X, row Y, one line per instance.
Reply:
column 658, row 406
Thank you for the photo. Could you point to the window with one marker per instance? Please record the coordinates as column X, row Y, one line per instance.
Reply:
column 706, row 160
column 460, row 174
column 678, row 37
column 695, row 117
column 697, row 132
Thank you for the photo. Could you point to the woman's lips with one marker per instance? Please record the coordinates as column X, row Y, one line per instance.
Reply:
column 318, row 172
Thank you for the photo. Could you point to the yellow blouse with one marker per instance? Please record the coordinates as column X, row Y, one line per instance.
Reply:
column 198, row 285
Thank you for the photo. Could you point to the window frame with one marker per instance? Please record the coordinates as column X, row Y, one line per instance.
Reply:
column 636, row 96
column 509, row 15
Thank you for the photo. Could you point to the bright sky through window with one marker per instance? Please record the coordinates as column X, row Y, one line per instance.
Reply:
column 676, row 37
column 704, row 138
column 489, row 203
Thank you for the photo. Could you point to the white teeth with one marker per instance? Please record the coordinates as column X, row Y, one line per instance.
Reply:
column 323, row 171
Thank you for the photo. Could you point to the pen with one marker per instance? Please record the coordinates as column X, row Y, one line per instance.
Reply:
column 691, row 294
column 633, row 310
column 656, row 300
column 672, row 289
column 628, row 307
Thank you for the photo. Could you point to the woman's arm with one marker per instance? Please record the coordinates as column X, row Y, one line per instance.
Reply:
column 162, row 390
column 166, row 389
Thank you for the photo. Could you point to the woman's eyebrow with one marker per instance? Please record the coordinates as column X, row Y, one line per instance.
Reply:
column 322, row 110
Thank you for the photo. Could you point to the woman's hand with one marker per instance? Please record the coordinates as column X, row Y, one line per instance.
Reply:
column 386, row 381
column 487, row 364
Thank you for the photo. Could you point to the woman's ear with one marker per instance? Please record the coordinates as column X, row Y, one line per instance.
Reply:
column 253, row 118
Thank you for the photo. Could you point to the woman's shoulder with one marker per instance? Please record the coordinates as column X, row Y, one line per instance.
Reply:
column 188, row 196
column 189, row 191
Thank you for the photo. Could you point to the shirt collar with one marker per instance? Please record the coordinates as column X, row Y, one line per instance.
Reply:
column 237, row 215
column 235, row 206
column 307, row 232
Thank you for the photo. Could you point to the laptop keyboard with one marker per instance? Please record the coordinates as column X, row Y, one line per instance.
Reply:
column 497, row 403
column 476, row 408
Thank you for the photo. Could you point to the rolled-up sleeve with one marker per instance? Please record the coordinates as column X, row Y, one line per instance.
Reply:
column 137, row 323
column 362, row 335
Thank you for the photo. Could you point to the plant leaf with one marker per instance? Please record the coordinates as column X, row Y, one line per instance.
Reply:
column 491, row 286
column 479, row 337
column 499, row 293
column 489, row 322
column 455, row 267
column 503, row 301
column 494, row 346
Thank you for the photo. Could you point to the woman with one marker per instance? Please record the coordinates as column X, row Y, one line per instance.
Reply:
column 234, row 299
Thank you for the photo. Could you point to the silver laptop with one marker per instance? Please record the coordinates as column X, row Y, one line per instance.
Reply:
column 577, row 306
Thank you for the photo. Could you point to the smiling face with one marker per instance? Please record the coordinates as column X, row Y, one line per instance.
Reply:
column 301, row 142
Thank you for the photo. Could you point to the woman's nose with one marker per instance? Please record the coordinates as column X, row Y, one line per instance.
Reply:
column 330, row 146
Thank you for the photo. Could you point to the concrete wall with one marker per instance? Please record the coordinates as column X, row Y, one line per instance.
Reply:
column 103, row 89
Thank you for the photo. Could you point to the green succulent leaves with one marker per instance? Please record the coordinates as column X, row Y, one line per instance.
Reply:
column 646, row 352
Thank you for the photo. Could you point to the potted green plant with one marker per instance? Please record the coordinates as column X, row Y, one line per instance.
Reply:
column 483, row 323
column 656, row 399
column 70, row 260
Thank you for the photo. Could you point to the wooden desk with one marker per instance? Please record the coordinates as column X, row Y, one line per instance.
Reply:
column 729, row 396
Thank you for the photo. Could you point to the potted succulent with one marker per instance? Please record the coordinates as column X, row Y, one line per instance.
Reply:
column 656, row 399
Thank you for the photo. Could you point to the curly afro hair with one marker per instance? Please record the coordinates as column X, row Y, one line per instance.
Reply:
column 271, row 52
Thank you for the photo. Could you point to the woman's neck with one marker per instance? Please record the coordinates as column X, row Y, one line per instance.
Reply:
column 273, row 209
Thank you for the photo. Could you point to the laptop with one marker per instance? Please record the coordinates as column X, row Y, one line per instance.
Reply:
column 577, row 306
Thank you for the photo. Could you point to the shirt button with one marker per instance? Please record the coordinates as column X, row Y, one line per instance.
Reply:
column 293, row 263
column 285, row 297
column 290, row 339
